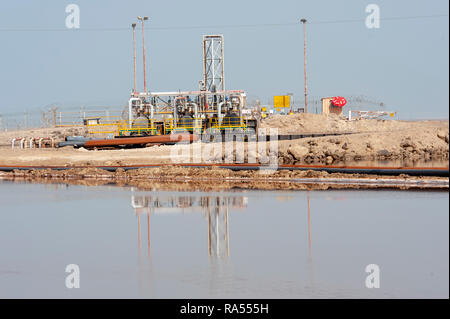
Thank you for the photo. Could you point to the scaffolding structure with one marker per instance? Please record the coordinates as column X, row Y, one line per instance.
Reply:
column 213, row 63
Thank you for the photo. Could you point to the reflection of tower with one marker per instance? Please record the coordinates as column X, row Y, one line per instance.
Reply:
column 141, row 207
column 213, row 63
column 310, row 260
column 309, row 226
column 218, row 244
column 220, row 270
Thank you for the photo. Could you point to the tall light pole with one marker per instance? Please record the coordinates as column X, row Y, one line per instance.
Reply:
column 134, row 56
column 304, row 56
column 142, row 19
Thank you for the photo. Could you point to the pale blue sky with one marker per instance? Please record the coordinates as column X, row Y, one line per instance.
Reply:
column 405, row 63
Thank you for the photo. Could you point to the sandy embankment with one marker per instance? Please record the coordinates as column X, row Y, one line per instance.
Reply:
column 213, row 178
column 418, row 141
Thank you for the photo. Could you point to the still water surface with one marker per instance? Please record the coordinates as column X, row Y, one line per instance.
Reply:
column 242, row 244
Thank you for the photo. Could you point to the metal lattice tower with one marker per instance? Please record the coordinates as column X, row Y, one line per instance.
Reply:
column 213, row 63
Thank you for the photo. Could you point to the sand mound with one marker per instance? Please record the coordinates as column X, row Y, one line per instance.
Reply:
column 331, row 123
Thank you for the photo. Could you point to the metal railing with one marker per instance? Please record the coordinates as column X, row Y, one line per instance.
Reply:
column 200, row 124
column 140, row 126
column 71, row 118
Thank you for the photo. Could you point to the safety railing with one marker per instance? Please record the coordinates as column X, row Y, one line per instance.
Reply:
column 168, row 125
column 102, row 126
column 138, row 127
column 228, row 122
column 144, row 126
column 73, row 118
column 199, row 124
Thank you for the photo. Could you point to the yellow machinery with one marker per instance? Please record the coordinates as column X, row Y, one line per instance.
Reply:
column 177, row 113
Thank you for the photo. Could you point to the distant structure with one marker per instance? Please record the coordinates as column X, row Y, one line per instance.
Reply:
column 333, row 105
column 329, row 108
column 213, row 63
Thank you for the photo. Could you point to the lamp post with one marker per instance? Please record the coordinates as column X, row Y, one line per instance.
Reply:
column 304, row 57
column 142, row 19
column 133, row 25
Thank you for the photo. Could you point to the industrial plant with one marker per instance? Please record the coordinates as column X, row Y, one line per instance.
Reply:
column 224, row 150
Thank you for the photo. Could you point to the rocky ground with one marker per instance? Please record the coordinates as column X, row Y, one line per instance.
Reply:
column 409, row 146
column 371, row 140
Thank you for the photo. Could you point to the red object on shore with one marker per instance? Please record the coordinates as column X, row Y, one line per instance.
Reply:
column 339, row 101
column 158, row 139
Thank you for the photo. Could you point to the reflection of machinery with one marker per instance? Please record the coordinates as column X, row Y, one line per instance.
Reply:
column 184, row 204
column 211, row 108
column 215, row 209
